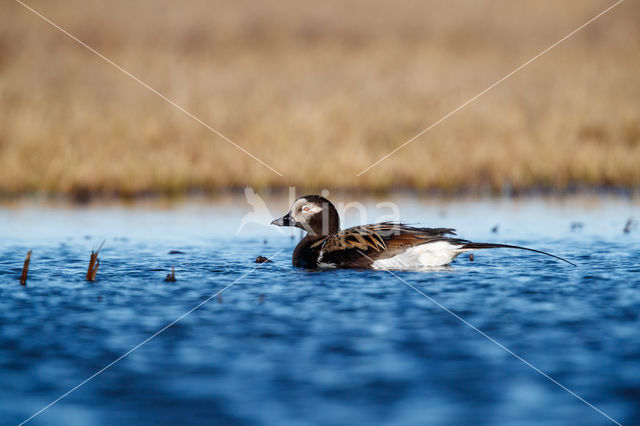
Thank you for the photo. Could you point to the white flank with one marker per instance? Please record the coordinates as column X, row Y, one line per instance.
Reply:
column 439, row 253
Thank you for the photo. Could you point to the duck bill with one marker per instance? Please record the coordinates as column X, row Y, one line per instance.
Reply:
column 284, row 221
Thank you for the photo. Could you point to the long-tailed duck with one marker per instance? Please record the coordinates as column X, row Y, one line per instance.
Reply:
column 386, row 245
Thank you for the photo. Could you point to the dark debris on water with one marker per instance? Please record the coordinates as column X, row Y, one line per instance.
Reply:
column 577, row 226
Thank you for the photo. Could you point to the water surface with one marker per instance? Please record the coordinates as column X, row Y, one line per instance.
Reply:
column 289, row 346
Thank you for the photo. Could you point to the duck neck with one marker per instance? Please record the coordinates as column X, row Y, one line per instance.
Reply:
column 304, row 255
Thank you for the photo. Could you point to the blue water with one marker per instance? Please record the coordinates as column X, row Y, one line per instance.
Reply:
column 289, row 346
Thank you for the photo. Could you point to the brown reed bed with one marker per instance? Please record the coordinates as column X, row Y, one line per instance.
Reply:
column 318, row 90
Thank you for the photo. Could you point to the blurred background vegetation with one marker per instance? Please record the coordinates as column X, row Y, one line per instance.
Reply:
column 319, row 91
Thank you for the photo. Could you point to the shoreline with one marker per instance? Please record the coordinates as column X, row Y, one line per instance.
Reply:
column 209, row 195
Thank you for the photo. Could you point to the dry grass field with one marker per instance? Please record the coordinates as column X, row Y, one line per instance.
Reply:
column 319, row 91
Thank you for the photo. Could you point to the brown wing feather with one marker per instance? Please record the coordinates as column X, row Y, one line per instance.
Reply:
column 381, row 237
column 359, row 237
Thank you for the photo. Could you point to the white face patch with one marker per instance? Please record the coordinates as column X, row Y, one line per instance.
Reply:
column 302, row 209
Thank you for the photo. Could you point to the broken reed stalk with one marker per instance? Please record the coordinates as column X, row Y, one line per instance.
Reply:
column 627, row 226
column 25, row 269
column 172, row 276
column 94, row 263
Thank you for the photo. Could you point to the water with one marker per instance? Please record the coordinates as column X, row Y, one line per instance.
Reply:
column 288, row 346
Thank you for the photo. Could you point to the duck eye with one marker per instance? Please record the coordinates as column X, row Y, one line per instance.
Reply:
column 306, row 208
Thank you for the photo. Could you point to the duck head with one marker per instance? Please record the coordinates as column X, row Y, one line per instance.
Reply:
column 314, row 214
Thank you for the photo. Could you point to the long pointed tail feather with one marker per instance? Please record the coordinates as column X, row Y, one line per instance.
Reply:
column 474, row 246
